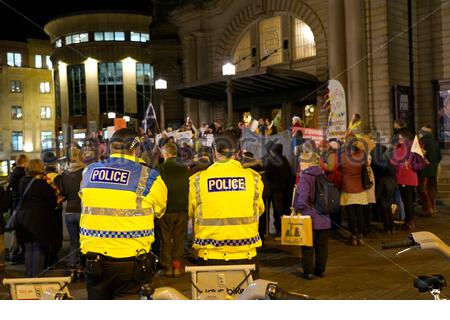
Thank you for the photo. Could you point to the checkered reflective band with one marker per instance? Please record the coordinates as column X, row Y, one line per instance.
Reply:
column 116, row 234
column 228, row 242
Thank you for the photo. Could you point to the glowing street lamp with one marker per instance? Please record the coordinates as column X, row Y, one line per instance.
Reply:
column 229, row 70
column 160, row 85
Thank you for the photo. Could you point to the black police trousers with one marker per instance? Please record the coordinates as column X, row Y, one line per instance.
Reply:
column 115, row 280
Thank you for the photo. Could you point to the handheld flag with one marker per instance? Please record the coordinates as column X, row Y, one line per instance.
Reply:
column 149, row 120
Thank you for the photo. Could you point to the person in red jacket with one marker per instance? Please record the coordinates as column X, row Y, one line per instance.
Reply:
column 407, row 179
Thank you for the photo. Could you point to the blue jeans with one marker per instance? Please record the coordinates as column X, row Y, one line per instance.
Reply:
column 35, row 254
column 400, row 207
column 73, row 227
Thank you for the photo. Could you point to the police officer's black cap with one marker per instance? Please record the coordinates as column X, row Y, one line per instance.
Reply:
column 124, row 138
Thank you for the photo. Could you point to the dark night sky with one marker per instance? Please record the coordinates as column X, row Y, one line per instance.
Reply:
column 16, row 24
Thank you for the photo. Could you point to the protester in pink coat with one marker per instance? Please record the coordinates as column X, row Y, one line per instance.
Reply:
column 407, row 179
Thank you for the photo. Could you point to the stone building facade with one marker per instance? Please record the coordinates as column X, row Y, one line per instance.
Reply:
column 387, row 71
column 27, row 103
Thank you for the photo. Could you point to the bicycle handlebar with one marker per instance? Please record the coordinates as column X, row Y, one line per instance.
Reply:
column 398, row 244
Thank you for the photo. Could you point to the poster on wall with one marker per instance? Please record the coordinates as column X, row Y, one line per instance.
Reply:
column 337, row 118
column 403, row 108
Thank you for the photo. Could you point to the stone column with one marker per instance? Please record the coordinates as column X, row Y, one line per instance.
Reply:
column 190, row 75
column 92, row 94
column 336, row 41
column 129, row 85
column 202, row 73
column 357, row 100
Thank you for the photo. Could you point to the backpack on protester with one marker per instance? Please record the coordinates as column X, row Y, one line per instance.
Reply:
column 365, row 177
column 327, row 197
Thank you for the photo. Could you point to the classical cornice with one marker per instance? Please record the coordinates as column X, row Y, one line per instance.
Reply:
column 191, row 12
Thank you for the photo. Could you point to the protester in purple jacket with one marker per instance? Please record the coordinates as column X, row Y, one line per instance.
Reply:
column 304, row 203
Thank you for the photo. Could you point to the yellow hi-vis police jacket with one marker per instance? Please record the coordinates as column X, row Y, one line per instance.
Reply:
column 226, row 201
column 119, row 200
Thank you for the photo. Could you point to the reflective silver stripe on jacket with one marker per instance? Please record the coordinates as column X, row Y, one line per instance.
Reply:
column 255, row 199
column 235, row 221
column 198, row 199
column 141, row 186
column 114, row 212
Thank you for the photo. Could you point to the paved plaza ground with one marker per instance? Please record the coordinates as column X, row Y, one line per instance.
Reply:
column 364, row 272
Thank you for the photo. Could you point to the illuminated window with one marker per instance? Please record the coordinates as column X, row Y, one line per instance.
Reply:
column 14, row 59
column 110, row 82
column 77, row 38
column 99, row 36
column 84, row 37
column 304, row 44
column 139, row 37
column 46, row 140
column 119, row 36
column 46, row 113
column 242, row 56
column 16, row 86
column 135, row 36
column 38, row 61
column 144, row 82
column 48, row 62
column 16, row 113
column 17, row 141
column 76, row 81
column 270, row 41
column 109, row 36
column 44, row 87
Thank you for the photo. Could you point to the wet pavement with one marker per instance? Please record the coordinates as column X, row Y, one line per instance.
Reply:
column 363, row 272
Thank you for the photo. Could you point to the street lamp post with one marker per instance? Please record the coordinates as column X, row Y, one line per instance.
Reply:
column 161, row 84
column 229, row 70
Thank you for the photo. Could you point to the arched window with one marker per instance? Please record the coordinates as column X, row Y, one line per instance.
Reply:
column 304, row 44
column 242, row 55
column 270, row 40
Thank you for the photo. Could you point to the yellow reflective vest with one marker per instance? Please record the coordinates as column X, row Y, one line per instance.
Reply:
column 226, row 201
column 120, row 198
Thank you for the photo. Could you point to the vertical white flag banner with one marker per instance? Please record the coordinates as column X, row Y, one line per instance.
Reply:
column 337, row 119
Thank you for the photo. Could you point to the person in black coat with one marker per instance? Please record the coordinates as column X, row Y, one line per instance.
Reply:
column 16, row 248
column 279, row 182
column 71, row 180
column 174, row 224
column 385, row 184
column 36, row 218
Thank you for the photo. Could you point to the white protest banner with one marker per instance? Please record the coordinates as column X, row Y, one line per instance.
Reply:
column 183, row 137
column 157, row 138
column 209, row 140
column 337, row 119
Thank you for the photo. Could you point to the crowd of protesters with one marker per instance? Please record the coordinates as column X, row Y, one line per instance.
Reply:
column 376, row 182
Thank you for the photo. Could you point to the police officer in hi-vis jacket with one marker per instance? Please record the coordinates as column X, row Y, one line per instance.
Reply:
column 225, row 201
column 120, row 198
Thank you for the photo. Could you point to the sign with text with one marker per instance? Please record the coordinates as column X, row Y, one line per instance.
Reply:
column 317, row 135
column 337, row 118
